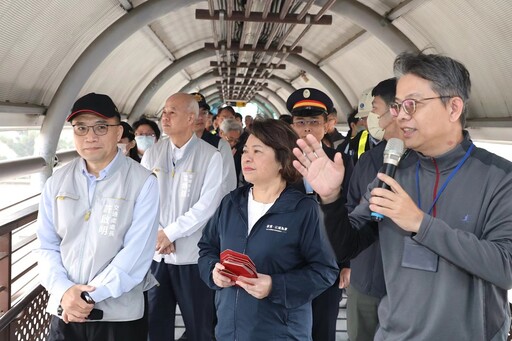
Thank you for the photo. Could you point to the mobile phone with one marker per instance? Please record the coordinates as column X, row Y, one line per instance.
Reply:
column 96, row 314
column 86, row 297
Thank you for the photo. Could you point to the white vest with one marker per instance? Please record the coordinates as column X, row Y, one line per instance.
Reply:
column 180, row 188
column 92, row 235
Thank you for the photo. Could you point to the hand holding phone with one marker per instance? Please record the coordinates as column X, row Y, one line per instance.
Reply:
column 96, row 314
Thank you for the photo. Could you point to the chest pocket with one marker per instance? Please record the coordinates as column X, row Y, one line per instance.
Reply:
column 66, row 202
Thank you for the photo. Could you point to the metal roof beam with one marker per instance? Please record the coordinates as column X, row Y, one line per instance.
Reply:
column 249, row 65
column 308, row 19
column 235, row 46
column 18, row 108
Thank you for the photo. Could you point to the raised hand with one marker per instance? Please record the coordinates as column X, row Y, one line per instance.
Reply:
column 324, row 175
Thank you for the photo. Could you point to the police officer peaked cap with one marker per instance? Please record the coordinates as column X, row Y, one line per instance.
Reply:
column 201, row 101
column 309, row 102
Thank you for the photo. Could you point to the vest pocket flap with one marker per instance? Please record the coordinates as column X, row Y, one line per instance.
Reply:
column 67, row 195
column 161, row 169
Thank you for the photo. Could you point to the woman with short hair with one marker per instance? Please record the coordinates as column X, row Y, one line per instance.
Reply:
column 280, row 229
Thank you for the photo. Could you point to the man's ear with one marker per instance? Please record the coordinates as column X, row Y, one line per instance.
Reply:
column 456, row 106
column 120, row 130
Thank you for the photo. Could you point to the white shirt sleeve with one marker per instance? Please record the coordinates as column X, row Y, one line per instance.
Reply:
column 229, row 179
column 199, row 214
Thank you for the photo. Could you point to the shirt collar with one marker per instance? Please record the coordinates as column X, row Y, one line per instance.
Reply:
column 104, row 172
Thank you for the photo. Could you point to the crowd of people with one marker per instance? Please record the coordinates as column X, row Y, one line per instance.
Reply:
column 137, row 224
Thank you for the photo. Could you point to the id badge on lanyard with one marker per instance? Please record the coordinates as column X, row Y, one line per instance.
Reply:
column 415, row 255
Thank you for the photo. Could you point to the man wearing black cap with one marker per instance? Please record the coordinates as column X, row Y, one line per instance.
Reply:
column 229, row 178
column 309, row 108
column 97, row 229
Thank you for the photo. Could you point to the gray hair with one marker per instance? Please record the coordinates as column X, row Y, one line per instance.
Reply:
column 193, row 106
column 447, row 76
column 230, row 125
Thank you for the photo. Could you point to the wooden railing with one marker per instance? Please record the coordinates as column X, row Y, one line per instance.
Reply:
column 22, row 299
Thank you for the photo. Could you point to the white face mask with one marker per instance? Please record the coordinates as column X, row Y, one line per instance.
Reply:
column 144, row 142
column 123, row 148
column 373, row 126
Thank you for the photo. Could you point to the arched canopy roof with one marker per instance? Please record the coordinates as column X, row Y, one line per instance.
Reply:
column 139, row 52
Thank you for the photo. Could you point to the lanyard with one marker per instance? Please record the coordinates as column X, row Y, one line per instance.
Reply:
column 450, row 177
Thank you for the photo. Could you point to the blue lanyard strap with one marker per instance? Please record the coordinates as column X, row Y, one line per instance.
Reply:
column 450, row 177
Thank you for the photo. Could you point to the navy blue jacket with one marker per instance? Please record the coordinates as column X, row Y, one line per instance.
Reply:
column 289, row 244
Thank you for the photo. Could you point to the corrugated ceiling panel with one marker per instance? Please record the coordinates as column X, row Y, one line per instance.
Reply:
column 42, row 41
column 167, row 89
column 181, row 32
column 361, row 67
column 381, row 7
column 126, row 72
column 477, row 33
column 321, row 40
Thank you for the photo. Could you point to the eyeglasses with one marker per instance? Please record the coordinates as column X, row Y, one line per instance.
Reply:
column 311, row 123
column 99, row 129
column 233, row 140
column 409, row 105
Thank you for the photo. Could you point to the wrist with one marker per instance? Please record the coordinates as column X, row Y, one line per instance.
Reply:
column 329, row 199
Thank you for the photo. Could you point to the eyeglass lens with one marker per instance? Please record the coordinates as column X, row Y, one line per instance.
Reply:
column 98, row 129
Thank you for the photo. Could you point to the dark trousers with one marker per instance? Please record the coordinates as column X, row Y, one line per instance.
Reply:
column 136, row 330
column 362, row 315
column 180, row 284
column 325, row 313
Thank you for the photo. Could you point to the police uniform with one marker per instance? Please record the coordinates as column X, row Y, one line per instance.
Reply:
column 310, row 102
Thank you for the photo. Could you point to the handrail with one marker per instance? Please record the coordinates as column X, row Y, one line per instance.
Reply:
column 12, row 169
column 11, row 314
column 19, row 167
column 23, row 216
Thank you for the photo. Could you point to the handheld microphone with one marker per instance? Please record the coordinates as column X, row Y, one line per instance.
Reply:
column 392, row 154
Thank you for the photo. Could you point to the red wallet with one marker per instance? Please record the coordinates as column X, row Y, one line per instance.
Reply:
column 237, row 264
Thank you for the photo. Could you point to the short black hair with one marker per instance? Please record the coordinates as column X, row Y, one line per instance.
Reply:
column 228, row 108
column 148, row 122
column 352, row 117
column 286, row 118
column 386, row 90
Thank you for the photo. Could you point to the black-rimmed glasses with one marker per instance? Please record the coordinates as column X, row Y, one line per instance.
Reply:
column 409, row 105
column 98, row 129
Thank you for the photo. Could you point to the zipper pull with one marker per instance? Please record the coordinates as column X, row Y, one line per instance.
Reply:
column 87, row 215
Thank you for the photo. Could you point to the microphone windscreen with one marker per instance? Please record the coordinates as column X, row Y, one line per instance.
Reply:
column 393, row 151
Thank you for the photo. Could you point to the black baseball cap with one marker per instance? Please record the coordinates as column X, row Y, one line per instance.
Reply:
column 98, row 104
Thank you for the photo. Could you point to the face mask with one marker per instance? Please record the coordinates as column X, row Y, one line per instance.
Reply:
column 144, row 142
column 123, row 148
column 373, row 126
